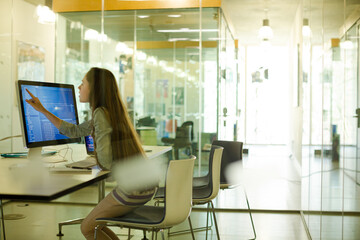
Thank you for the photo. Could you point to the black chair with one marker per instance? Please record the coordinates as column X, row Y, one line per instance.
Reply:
column 183, row 139
column 231, row 154
column 190, row 123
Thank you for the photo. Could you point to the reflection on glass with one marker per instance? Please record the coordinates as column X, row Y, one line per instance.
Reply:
column 157, row 66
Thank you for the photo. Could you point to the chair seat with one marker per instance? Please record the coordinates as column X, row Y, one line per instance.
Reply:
column 200, row 181
column 148, row 215
column 200, row 194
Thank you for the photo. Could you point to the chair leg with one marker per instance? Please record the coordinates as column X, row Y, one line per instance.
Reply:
column 69, row 222
column 207, row 220
column 162, row 234
column 144, row 232
column 191, row 229
column 208, row 213
column 95, row 234
column 216, row 226
column 252, row 222
column 175, row 152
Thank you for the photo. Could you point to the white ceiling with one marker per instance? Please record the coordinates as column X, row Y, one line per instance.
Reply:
column 325, row 16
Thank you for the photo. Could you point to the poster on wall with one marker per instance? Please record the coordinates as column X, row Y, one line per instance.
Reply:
column 30, row 62
column 162, row 88
column 179, row 95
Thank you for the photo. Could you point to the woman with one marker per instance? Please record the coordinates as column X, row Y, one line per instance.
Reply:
column 115, row 141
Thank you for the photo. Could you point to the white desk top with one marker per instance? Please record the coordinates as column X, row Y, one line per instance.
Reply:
column 34, row 182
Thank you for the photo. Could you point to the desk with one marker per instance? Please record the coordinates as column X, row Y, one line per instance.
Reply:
column 148, row 135
column 155, row 151
column 17, row 184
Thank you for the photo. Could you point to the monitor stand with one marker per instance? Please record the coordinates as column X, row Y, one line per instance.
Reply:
column 34, row 154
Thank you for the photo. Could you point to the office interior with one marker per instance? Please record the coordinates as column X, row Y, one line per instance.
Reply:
column 291, row 95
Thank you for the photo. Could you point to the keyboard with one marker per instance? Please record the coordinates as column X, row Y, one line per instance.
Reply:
column 88, row 162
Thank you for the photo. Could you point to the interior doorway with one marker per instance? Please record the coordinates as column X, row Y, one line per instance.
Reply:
column 267, row 96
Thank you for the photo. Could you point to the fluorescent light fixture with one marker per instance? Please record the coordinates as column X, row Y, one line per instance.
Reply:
column 143, row 16
column 177, row 39
column 102, row 37
column 215, row 39
column 186, row 30
column 141, row 56
column 162, row 63
column 193, row 54
column 91, row 34
column 45, row 15
column 151, row 60
column 169, row 69
column 265, row 31
column 121, row 47
column 306, row 31
column 174, row 15
column 75, row 25
column 129, row 51
column 183, row 75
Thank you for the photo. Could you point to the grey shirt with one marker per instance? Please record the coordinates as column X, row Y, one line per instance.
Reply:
column 102, row 134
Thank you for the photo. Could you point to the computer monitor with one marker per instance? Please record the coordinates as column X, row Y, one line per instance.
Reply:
column 89, row 143
column 38, row 131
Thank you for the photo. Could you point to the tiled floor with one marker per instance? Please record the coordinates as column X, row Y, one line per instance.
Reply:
column 268, row 175
column 41, row 223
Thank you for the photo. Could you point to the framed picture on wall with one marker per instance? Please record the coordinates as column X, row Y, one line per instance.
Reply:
column 30, row 62
column 162, row 88
column 179, row 95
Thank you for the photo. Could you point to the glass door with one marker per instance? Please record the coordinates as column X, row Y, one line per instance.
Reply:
column 358, row 104
column 227, row 90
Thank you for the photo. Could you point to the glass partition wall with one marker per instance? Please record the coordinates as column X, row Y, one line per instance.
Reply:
column 6, row 69
column 330, row 163
column 166, row 75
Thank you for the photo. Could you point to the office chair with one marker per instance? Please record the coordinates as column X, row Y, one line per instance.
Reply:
column 232, row 153
column 177, row 203
column 204, row 194
column 183, row 139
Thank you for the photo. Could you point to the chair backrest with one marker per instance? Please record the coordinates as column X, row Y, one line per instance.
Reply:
column 232, row 153
column 183, row 136
column 178, row 191
column 189, row 123
column 214, row 170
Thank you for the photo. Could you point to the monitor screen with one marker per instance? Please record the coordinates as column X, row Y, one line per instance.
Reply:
column 89, row 143
column 59, row 99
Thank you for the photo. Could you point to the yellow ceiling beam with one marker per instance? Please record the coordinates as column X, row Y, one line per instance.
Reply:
column 179, row 44
column 95, row 5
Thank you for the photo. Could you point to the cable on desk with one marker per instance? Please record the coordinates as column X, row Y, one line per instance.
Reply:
column 9, row 137
column 67, row 148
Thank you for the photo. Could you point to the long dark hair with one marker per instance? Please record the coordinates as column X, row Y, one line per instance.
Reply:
column 104, row 93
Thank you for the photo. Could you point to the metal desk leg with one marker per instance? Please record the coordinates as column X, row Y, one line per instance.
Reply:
column 101, row 191
column 2, row 221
